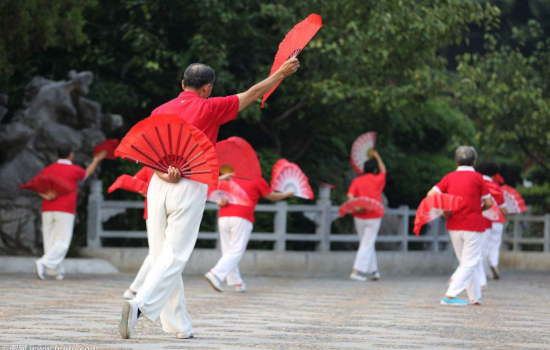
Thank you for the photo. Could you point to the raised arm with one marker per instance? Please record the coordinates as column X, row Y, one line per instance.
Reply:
column 381, row 165
column 95, row 162
column 248, row 97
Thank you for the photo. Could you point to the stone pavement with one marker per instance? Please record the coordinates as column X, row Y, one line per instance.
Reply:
column 283, row 313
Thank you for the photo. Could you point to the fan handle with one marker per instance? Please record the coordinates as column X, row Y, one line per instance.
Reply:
column 294, row 53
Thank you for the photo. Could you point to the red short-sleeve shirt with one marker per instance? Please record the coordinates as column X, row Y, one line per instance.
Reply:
column 65, row 169
column 145, row 175
column 368, row 185
column 497, row 195
column 207, row 114
column 468, row 184
column 255, row 189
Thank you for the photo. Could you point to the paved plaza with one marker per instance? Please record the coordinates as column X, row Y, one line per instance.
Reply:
column 283, row 313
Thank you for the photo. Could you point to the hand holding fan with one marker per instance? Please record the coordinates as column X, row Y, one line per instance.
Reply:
column 361, row 151
column 514, row 201
column 360, row 205
column 129, row 183
column 49, row 183
column 494, row 214
column 231, row 192
column 108, row 146
column 288, row 176
column 237, row 157
column 432, row 207
column 293, row 43
column 165, row 140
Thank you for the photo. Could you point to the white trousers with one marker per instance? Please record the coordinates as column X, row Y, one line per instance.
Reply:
column 492, row 250
column 143, row 271
column 234, row 236
column 367, row 229
column 57, row 232
column 174, row 216
column 467, row 246
column 481, row 275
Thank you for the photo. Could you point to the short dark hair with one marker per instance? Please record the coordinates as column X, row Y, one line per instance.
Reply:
column 371, row 166
column 197, row 75
column 64, row 151
column 488, row 168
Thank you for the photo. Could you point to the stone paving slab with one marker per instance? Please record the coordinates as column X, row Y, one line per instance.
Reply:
column 283, row 313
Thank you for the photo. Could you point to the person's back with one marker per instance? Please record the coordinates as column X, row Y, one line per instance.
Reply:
column 65, row 170
column 255, row 189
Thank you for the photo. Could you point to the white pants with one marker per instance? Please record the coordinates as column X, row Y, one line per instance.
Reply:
column 143, row 270
column 481, row 275
column 57, row 232
column 492, row 251
column 234, row 236
column 467, row 246
column 367, row 229
column 174, row 216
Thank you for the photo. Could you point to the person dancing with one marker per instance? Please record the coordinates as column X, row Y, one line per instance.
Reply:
column 367, row 224
column 176, row 205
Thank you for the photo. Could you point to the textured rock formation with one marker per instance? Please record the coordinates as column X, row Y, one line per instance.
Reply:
column 53, row 113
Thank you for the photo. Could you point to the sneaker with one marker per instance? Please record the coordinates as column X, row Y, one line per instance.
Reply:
column 240, row 288
column 129, row 295
column 185, row 335
column 453, row 302
column 40, row 269
column 375, row 276
column 357, row 277
column 496, row 272
column 214, row 281
column 129, row 319
column 60, row 277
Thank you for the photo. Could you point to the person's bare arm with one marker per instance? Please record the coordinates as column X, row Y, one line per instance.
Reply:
column 487, row 204
column 49, row 196
column 350, row 196
column 248, row 97
column 277, row 196
column 95, row 162
column 173, row 175
column 432, row 192
column 381, row 165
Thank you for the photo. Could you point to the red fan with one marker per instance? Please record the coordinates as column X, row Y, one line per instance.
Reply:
column 43, row 183
column 293, row 43
column 495, row 191
column 494, row 214
column 289, row 177
column 514, row 201
column 360, row 205
column 232, row 192
column 129, row 183
column 165, row 140
column 433, row 207
column 109, row 146
column 236, row 156
column 498, row 179
column 361, row 151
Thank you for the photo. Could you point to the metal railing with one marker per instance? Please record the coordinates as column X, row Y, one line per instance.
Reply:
column 323, row 214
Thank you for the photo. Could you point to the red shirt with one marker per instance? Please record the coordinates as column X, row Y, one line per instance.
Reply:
column 66, row 170
column 145, row 175
column 468, row 184
column 368, row 185
column 207, row 114
column 255, row 189
column 497, row 195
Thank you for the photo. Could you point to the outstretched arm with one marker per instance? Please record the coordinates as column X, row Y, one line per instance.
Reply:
column 248, row 97
column 278, row 196
column 381, row 165
column 95, row 162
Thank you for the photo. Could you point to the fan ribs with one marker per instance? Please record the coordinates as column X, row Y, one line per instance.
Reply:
column 153, row 148
column 182, row 159
column 146, row 156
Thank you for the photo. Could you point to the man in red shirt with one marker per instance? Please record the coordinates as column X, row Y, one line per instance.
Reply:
column 367, row 224
column 176, row 205
column 235, row 224
column 58, row 213
column 466, row 224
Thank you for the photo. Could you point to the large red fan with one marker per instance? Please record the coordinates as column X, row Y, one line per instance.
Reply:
column 43, row 183
column 496, row 191
column 361, row 151
column 237, row 157
column 129, row 183
column 293, row 43
column 108, row 146
column 514, row 201
column 361, row 205
column 494, row 214
column 433, row 207
column 231, row 192
column 165, row 140
column 288, row 176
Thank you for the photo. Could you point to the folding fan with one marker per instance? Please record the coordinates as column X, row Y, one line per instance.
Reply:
column 496, row 191
column 232, row 192
column 360, row 205
column 514, row 202
column 433, row 207
column 494, row 214
column 165, row 140
column 293, row 43
column 289, row 177
column 43, row 183
column 129, row 183
column 361, row 149
column 236, row 156
column 107, row 146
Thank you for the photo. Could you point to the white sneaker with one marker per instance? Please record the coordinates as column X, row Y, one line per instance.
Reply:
column 240, row 288
column 60, row 277
column 214, row 281
column 185, row 335
column 40, row 269
column 128, row 295
column 375, row 276
column 128, row 319
column 357, row 277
